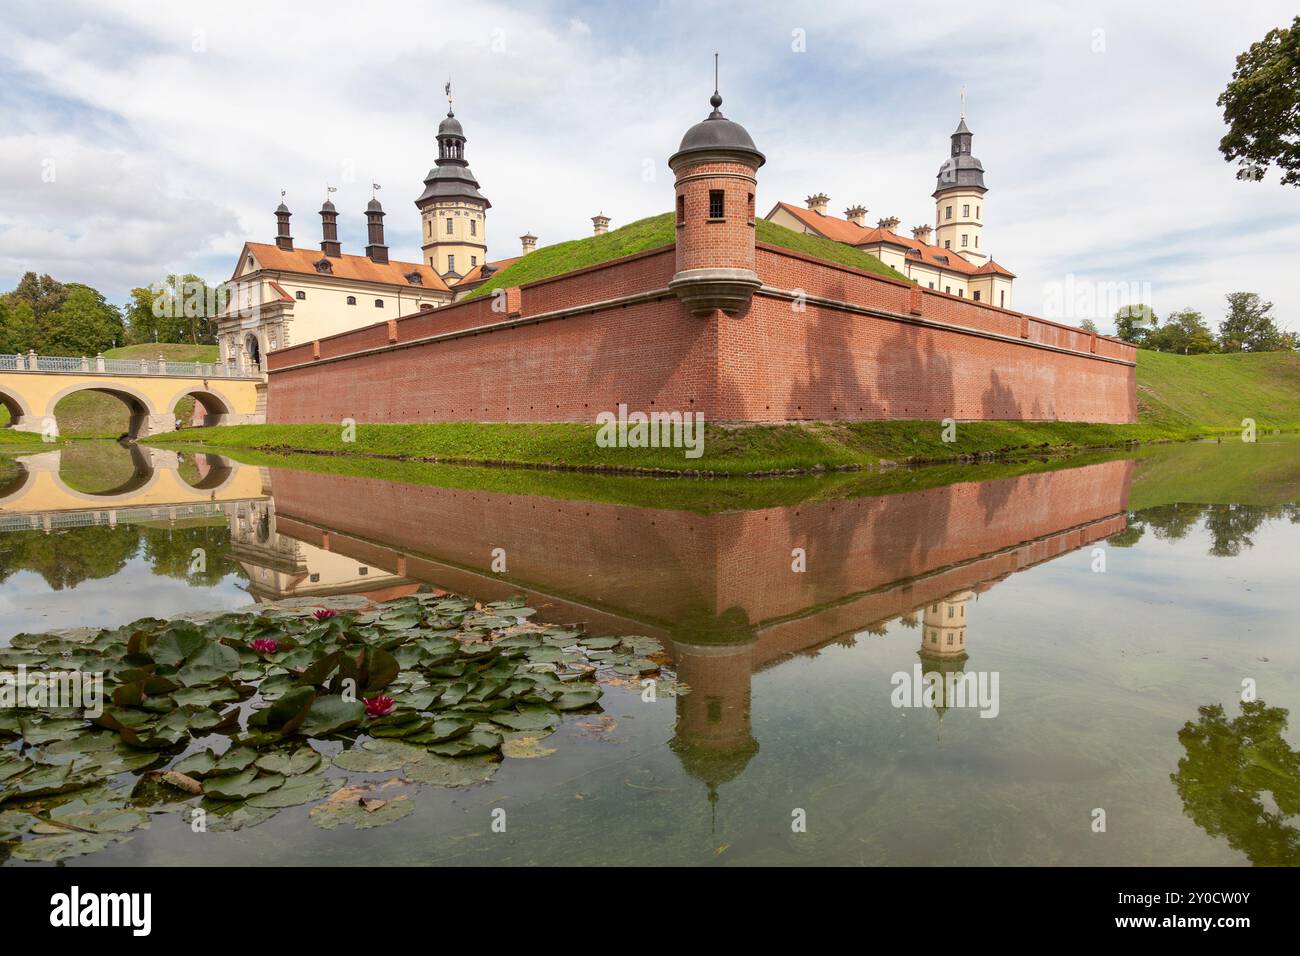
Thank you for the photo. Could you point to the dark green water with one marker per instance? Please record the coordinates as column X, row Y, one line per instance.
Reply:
column 1108, row 679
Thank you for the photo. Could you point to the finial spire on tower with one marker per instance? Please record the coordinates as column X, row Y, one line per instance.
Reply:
column 963, row 101
column 447, row 90
column 716, row 99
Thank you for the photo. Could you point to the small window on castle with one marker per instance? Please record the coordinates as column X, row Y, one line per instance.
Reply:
column 363, row 570
column 300, row 294
column 931, row 285
column 449, row 227
column 976, row 295
column 473, row 227
column 379, row 303
column 1002, row 299
column 314, row 578
column 965, row 212
column 947, row 243
column 961, row 293
column 715, row 204
column 963, row 240
column 681, row 210
column 352, row 300
column 451, row 263
column 947, row 213
column 751, row 207
column 977, row 242
column 473, row 261
column 948, row 289
column 428, row 228
column 977, row 212
column 426, row 306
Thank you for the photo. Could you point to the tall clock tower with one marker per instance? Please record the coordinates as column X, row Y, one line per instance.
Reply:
column 453, row 213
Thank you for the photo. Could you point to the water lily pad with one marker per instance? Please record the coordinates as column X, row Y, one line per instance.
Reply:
column 364, row 807
column 241, row 785
column 330, row 714
column 523, row 746
column 296, row 791
column 303, row 760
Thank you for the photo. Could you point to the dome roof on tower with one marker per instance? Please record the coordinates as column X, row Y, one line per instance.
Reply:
column 716, row 133
column 450, row 126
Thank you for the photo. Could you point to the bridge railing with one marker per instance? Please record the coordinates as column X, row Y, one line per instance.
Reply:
column 31, row 362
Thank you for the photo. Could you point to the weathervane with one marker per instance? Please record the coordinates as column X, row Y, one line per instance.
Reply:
column 715, row 71
column 329, row 189
column 374, row 189
column 447, row 90
column 963, row 101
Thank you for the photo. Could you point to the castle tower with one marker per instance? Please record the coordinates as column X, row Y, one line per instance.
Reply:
column 283, row 239
column 716, row 171
column 329, row 222
column 943, row 643
column 453, row 213
column 376, row 251
column 959, row 198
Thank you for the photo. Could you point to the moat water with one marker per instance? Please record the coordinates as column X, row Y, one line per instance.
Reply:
column 1127, row 627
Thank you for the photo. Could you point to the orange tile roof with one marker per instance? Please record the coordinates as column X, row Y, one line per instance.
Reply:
column 841, row 230
column 993, row 268
column 279, row 290
column 476, row 274
column 301, row 260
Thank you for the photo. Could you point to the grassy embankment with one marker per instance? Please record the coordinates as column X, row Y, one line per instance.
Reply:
column 1179, row 398
column 99, row 415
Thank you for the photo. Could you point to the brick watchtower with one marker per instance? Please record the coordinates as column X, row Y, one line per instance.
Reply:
column 716, row 175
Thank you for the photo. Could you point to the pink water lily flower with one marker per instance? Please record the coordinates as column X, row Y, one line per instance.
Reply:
column 265, row 644
column 325, row 613
column 379, row 706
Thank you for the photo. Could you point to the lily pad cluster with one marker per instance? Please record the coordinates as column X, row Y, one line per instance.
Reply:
column 235, row 716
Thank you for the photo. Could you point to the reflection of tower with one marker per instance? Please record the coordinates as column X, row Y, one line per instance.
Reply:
column 713, row 658
column 943, row 644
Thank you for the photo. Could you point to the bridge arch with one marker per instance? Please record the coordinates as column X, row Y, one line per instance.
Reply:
column 144, row 416
column 15, row 406
column 217, row 407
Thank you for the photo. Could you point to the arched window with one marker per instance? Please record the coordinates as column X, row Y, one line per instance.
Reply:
column 300, row 294
column 352, row 300
column 426, row 306
column 379, row 303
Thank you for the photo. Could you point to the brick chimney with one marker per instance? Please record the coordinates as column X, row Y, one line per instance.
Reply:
column 329, row 219
column 817, row 203
column 528, row 241
column 282, row 238
column 600, row 222
column 890, row 224
column 922, row 234
column 856, row 215
column 376, row 251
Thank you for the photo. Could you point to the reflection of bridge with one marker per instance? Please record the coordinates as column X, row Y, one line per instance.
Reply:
column 31, row 386
column 38, row 498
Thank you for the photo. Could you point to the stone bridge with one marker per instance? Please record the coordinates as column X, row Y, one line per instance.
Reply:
column 32, row 385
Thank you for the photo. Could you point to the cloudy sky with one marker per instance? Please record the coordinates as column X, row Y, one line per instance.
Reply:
column 138, row 139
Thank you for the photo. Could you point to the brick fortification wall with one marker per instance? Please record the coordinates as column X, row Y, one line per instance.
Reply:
column 818, row 341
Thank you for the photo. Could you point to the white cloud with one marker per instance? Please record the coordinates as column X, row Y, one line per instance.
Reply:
column 1100, row 164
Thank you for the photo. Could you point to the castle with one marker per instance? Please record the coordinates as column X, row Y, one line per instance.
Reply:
column 713, row 322
column 955, row 263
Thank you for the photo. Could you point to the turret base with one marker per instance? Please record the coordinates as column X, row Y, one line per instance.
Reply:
column 705, row 290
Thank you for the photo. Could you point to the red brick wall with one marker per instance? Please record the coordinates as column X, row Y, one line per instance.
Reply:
column 726, row 243
column 958, row 359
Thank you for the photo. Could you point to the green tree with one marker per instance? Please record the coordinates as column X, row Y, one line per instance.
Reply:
column 177, row 309
column 1133, row 323
column 17, row 326
column 1088, row 325
column 1184, row 333
column 1248, row 326
column 1261, row 106
column 85, row 324
column 42, row 293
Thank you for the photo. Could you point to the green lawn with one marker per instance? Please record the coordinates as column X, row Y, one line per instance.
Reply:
column 1219, row 390
column 172, row 352
column 657, row 232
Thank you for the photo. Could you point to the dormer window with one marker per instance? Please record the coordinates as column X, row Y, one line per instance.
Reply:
column 426, row 306
column 323, row 266
column 414, row 278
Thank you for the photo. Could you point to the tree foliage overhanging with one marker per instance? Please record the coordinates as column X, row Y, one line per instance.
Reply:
column 1248, row 326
